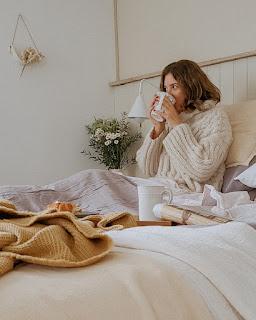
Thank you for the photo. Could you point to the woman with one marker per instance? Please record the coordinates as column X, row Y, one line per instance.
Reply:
column 191, row 144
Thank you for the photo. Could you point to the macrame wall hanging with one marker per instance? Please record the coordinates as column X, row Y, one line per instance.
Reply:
column 30, row 54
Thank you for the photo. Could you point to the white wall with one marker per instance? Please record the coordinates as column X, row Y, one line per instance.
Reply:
column 152, row 33
column 43, row 113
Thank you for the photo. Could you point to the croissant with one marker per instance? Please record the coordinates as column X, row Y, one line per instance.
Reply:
column 63, row 206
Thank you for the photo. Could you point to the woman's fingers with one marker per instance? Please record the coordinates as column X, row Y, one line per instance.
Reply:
column 161, row 114
column 167, row 102
column 149, row 112
column 151, row 107
column 153, row 121
column 170, row 114
column 154, row 100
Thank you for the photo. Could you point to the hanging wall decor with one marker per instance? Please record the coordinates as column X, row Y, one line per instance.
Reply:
column 30, row 54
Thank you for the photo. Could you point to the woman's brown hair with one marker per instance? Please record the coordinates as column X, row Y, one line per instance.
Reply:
column 194, row 81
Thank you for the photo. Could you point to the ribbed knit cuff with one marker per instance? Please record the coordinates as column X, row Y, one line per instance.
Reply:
column 158, row 139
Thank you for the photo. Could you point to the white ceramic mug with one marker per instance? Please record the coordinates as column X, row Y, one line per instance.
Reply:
column 158, row 105
column 149, row 196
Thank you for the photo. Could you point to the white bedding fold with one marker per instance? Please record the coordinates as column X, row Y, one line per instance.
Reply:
column 225, row 254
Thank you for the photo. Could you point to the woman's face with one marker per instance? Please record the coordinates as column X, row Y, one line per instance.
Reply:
column 173, row 88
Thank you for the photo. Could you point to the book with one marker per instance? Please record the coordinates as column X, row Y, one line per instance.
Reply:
column 192, row 215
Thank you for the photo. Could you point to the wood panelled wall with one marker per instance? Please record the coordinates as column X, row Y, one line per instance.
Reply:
column 236, row 80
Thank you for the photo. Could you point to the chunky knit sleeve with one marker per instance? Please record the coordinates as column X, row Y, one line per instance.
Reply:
column 200, row 158
column 149, row 153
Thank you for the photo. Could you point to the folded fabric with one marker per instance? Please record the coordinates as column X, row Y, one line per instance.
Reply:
column 112, row 221
column 230, row 184
column 212, row 197
column 248, row 177
column 53, row 238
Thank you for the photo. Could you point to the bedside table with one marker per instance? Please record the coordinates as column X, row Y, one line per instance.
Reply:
column 154, row 223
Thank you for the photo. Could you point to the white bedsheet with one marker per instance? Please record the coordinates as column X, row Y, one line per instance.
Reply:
column 153, row 273
column 224, row 254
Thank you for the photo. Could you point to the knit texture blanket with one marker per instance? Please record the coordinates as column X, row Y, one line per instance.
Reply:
column 191, row 154
column 53, row 238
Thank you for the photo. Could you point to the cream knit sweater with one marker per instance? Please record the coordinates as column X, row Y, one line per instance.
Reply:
column 192, row 153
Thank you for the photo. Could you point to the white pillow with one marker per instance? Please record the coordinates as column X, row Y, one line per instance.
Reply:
column 248, row 177
column 242, row 117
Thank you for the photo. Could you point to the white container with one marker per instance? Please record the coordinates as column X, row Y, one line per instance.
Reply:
column 149, row 196
column 158, row 105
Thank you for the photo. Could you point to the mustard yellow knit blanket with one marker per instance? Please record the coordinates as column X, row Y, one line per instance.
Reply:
column 56, row 239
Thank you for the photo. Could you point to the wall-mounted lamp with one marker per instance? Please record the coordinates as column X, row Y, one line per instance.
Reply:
column 139, row 108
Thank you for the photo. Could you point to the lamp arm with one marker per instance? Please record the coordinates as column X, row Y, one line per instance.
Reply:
column 141, row 85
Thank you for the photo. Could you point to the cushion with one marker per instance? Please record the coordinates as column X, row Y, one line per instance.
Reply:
column 231, row 184
column 242, row 117
column 248, row 177
column 252, row 194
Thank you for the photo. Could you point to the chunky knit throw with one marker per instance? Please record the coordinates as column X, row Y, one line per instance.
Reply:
column 192, row 153
column 53, row 238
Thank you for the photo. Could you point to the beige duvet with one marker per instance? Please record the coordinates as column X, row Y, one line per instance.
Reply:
column 152, row 273
column 127, row 284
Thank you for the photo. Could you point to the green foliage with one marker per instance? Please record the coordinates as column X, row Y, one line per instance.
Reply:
column 110, row 140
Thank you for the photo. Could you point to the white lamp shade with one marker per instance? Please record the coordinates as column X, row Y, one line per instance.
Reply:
column 138, row 109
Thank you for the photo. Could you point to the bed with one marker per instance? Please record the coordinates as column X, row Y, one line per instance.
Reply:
column 152, row 273
column 182, row 272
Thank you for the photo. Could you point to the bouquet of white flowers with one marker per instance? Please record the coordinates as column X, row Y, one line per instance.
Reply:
column 110, row 139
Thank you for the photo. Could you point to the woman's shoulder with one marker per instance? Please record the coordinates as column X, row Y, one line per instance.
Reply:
column 216, row 112
column 215, row 116
column 209, row 113
column 213, row 111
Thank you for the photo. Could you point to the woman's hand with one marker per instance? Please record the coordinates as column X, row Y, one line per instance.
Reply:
column 169, row 113
column 158, row 126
